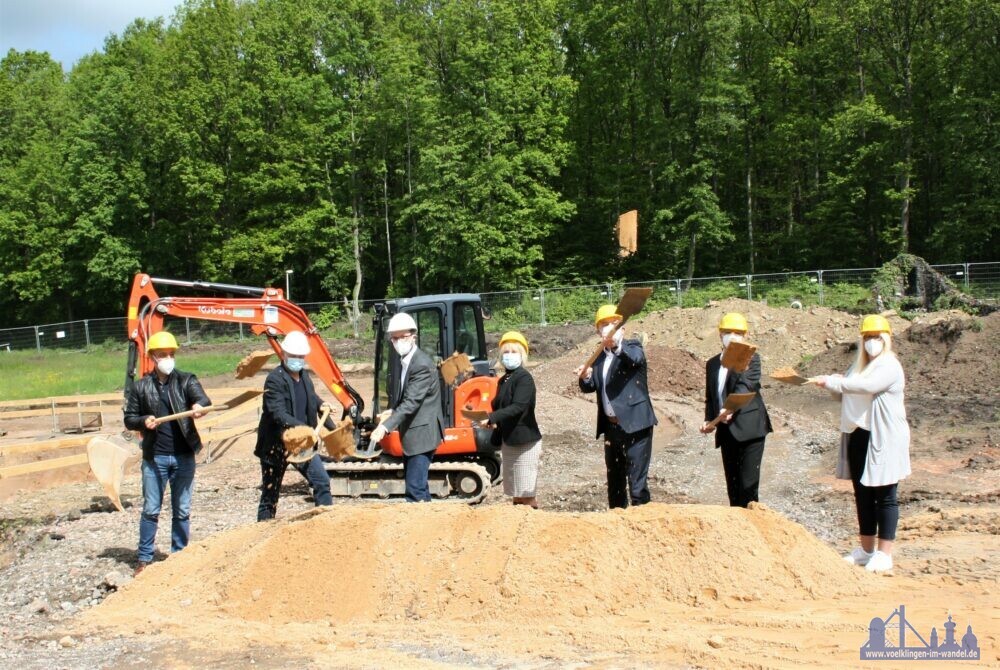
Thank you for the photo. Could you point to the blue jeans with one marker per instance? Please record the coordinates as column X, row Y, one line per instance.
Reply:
column 271, row 477
column 178, row 470
column 415, row 469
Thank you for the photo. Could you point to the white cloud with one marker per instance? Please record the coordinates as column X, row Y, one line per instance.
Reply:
column 70, row 29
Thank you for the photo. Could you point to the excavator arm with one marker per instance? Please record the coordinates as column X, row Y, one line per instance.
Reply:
column 264, row 310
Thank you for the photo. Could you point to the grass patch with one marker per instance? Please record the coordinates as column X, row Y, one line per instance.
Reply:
column 25, row 374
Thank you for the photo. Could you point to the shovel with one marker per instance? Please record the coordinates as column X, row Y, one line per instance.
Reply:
column 238, row 400
column 737, row 356
column 306, row 454
column 631, row 304
column 790, row 376
column 252, row 363
column 734, row 401
column 107, row 458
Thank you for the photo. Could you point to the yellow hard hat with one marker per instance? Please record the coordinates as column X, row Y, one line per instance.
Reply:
column 734, row 321
column 606, row 312
column 514, row 336
column 162, row 340
column 875, row 323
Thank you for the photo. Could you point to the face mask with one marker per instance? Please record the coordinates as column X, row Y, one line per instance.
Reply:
column 874, row 347
column 606, row 330
column 511, row 361
column 730, row 337
column 403, row 347
column 295, row 364
column 165, row 365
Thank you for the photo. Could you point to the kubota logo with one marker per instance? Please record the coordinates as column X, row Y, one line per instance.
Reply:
column 221, row 311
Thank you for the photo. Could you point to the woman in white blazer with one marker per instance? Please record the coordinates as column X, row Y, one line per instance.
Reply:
column 875, row 440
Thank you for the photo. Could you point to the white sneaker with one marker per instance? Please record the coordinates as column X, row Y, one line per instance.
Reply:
column 858, row 556
column 879, row 562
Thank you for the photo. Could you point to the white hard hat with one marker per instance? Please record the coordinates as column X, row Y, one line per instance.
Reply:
column 401, row 321
column 296, row 344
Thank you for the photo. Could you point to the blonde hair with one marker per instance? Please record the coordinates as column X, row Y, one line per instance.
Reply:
column 520, row 349
column 862, row 360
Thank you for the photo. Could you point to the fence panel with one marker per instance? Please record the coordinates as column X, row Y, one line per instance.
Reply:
column 984, row 280
column 699, row 292
column 17, row 339
column 511, row 309
column 577, row 304
column 786, row 289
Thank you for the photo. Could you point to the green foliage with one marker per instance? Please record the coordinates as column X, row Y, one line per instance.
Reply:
column 379, row 147
column 27, row 374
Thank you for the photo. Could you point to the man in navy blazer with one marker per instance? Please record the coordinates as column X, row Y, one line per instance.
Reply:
column 624, row 412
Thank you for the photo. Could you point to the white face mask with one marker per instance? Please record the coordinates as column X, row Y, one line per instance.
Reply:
column 403, row 347
column 730, row 337
column 606, row 330
column 165, row 365
column 874, row 347
column 511, row 360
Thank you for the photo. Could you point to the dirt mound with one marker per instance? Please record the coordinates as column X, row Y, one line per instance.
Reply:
column 675, row 371
column 452, row 562
column 954, row 355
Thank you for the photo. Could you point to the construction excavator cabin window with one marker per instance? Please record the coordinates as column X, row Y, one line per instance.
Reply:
column 467, row 332
column 429, row 333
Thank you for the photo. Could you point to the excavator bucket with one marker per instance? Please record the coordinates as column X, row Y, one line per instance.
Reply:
column 107, row 458
column 252, row 363
column 339, row 442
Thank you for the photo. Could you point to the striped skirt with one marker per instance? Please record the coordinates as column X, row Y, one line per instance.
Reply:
column 520, row 468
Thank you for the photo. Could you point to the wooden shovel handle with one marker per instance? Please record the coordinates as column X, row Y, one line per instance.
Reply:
column 322, row 418
column 600, row 348
column 715, row 422
column 191, row 412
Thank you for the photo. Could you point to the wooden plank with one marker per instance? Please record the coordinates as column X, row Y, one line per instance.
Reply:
column 217, row 435
column 222, row 417
column 222, row 395
column 42, row 466
column 44, row 445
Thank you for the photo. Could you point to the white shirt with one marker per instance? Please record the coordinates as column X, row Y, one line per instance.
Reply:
column 723, row 375
column 608, row 357
column 405, row 361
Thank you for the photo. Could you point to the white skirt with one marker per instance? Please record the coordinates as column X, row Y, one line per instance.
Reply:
column 520, row 468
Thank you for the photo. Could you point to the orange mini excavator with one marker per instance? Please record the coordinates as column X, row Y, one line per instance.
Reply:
column 465, row 464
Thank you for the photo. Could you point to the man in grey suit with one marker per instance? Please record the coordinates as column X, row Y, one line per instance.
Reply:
column 416, row 407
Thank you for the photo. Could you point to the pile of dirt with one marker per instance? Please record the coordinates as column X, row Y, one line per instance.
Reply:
column 675, row 371
column 492, row 564
column 945, row 355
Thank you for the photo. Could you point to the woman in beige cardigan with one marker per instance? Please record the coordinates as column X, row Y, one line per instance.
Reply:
column 875, row 440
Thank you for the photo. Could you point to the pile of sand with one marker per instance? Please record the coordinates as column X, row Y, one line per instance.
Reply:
column 489, row 564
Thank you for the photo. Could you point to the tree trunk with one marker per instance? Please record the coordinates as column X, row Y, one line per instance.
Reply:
column 356, row 234
column 385, row 200
column 690, row 266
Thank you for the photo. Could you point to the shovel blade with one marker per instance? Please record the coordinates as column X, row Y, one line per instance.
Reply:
column 107, row 460
column 339, row 443
column 735, row 401
column 252, row 363
column 634, row 300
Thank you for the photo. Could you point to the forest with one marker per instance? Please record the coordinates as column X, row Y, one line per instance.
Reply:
column 394, row 147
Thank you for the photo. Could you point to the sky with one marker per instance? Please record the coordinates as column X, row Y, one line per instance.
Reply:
column 71, row 29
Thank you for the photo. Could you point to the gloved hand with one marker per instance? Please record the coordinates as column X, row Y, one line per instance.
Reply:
column 378, row 433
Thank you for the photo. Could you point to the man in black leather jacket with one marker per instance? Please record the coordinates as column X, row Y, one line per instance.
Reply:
column 168, row 449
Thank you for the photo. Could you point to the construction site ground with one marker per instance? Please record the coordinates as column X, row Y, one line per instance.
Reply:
column 684, row 582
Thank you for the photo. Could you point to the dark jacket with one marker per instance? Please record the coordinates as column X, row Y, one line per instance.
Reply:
column 279, row 414
column 416, row 409
column 514, row 408
column 751, row 422
column 627, row 389
column 183, row 390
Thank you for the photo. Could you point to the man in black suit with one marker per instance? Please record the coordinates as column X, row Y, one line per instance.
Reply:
column 416, row 407
column 741, row 434
column 289, row 400
column 624, row 412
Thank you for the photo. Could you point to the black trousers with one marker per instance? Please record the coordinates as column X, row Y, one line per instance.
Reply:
column 741, row 463
column 878, row 509
column 272, row 475
column 626, row 456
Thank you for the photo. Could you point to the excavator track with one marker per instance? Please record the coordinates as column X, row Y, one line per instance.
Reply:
column 454, row 481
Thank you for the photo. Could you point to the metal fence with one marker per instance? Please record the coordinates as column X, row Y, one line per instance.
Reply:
column 847, row 289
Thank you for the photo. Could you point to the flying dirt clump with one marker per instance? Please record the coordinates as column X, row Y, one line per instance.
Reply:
column 451, row 562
